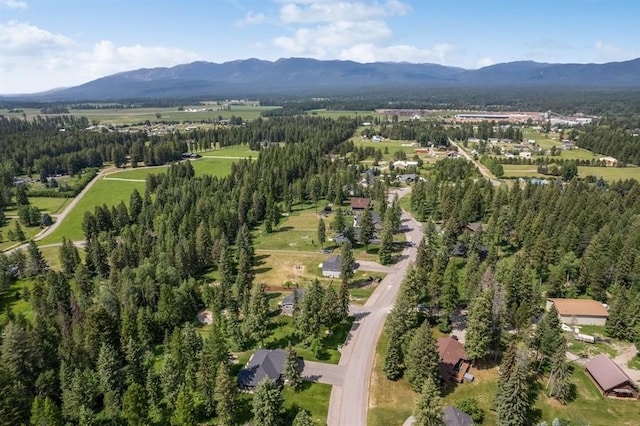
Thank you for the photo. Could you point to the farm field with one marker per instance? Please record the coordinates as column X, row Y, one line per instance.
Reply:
column 103, row 192
column 607, row 173
column 138, row 115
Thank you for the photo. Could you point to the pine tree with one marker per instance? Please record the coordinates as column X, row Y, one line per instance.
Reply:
column 134, row 405
column 478, row 338
column 343, row 300
column 322, row 232
column 346, row 261
column 393, row 367
column 69, row 257
column 559, row 385
column 44, row 412
column 386, row 242
column 184, row 413
column 339, row 221
column 35, row 260
column 291, row 369
column 225, row 396
column 257, row 322
column 422, row 359
column 367, row 229
column 548, row 337
column 267, row 404
column 303, row 418
column 109, row 372
column 428, row 410
column 512, row 399
column 309, row 321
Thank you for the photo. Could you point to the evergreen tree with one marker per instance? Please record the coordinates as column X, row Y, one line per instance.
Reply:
column 35, row 260
column 559, row 385
column 343, row 299
column 422, row 359
column 267, row 404
column 291, row 370
column 347, row 261
column 548, row 337
column 393, row 367
column 478, row 338
column 512, row 400
column 322, row 232
column 386, row 242
column 309, row 321
column 109, row 372
column 225, row 395
column 428, row 410
column 184, row 413
column 69, row 257
column 303, row 418
column 367, row 229
column 339, row 221
column 257, row 322
column 44, row 412
column 134, row 405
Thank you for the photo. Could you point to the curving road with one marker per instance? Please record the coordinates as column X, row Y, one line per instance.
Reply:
column 349, row 401
column 483, row 170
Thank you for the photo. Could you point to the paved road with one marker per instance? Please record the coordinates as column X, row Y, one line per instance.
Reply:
column 323, row 373
column 349, row 402
column 371, row 266
column 483, row 170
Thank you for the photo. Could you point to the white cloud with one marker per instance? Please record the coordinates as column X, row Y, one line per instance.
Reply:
column 327, row 40
column 107, row 58
column 13, row 4
column 439, row 53
column 609, row 52
column 251, row 18
column 485, row 62
column 23, row 39
column 308, row 11
column 35, row 59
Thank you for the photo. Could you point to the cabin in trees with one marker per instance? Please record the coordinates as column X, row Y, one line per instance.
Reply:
column 453, row 360
column 289, row 302
column 610, row 379
column 579, row 311
column 332, row 267
column 375, row 219
column 359, row 204
column 263, row 363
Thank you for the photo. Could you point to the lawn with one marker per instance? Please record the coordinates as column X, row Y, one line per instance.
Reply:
column 610, row 173
column 5, row 243
column 391, row 147
column 50, row 205
column 107, row 192
column 634, row 362
column 517, row 171
column 314, row 397
column 12, row 299
column 242, row 151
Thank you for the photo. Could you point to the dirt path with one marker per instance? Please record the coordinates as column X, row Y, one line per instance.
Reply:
column 623, row 358
column 483, row 170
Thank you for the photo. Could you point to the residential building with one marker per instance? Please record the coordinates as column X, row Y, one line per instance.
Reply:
column 455, row 417
column 332, row 267
column 264, row 363
column 453, row 360
column 288, row 303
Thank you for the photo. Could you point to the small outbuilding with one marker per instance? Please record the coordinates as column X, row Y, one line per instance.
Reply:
column 359, row 204
column 579, row 311
column 288, row 303
column 610, row 379
column 454, row 417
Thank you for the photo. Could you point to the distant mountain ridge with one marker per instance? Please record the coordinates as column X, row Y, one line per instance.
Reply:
column 303, row 75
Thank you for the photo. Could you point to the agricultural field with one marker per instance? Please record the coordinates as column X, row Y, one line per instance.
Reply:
column 607, row 173
column 138, row 115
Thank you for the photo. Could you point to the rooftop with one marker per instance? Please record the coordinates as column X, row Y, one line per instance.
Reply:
column 263, row 363
column 359, row 203
column 607, row 374
column 333, row 263
column 580, row 307
column 455, row 417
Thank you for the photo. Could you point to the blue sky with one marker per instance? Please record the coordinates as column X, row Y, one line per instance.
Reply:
column 46, row 44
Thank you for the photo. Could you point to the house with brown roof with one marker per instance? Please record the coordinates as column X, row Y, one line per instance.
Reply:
column 453, row 360
column 610, row 379
column 359, row 204
column 579, row 311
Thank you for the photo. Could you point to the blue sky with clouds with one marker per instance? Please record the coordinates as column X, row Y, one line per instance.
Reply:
column 46, row 43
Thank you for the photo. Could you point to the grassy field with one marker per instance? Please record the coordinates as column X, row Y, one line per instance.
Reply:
column 314, row 398
column 138, row 115
column 12, row 298
column 607, row 173
column 49, row 205
column 29, row 232
column 107, row 192
column 337, row 114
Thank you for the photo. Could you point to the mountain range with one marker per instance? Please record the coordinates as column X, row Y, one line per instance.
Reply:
column 254, row 77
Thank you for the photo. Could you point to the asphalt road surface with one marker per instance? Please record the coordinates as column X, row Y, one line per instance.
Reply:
column 349, row 402
column 483, row 170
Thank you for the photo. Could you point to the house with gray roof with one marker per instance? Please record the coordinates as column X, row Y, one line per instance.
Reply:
column 264, row 363
column 455, row 417
column 332, row 267
column 288, row 303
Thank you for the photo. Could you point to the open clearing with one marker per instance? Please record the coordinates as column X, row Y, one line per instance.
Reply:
column 103, row 192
